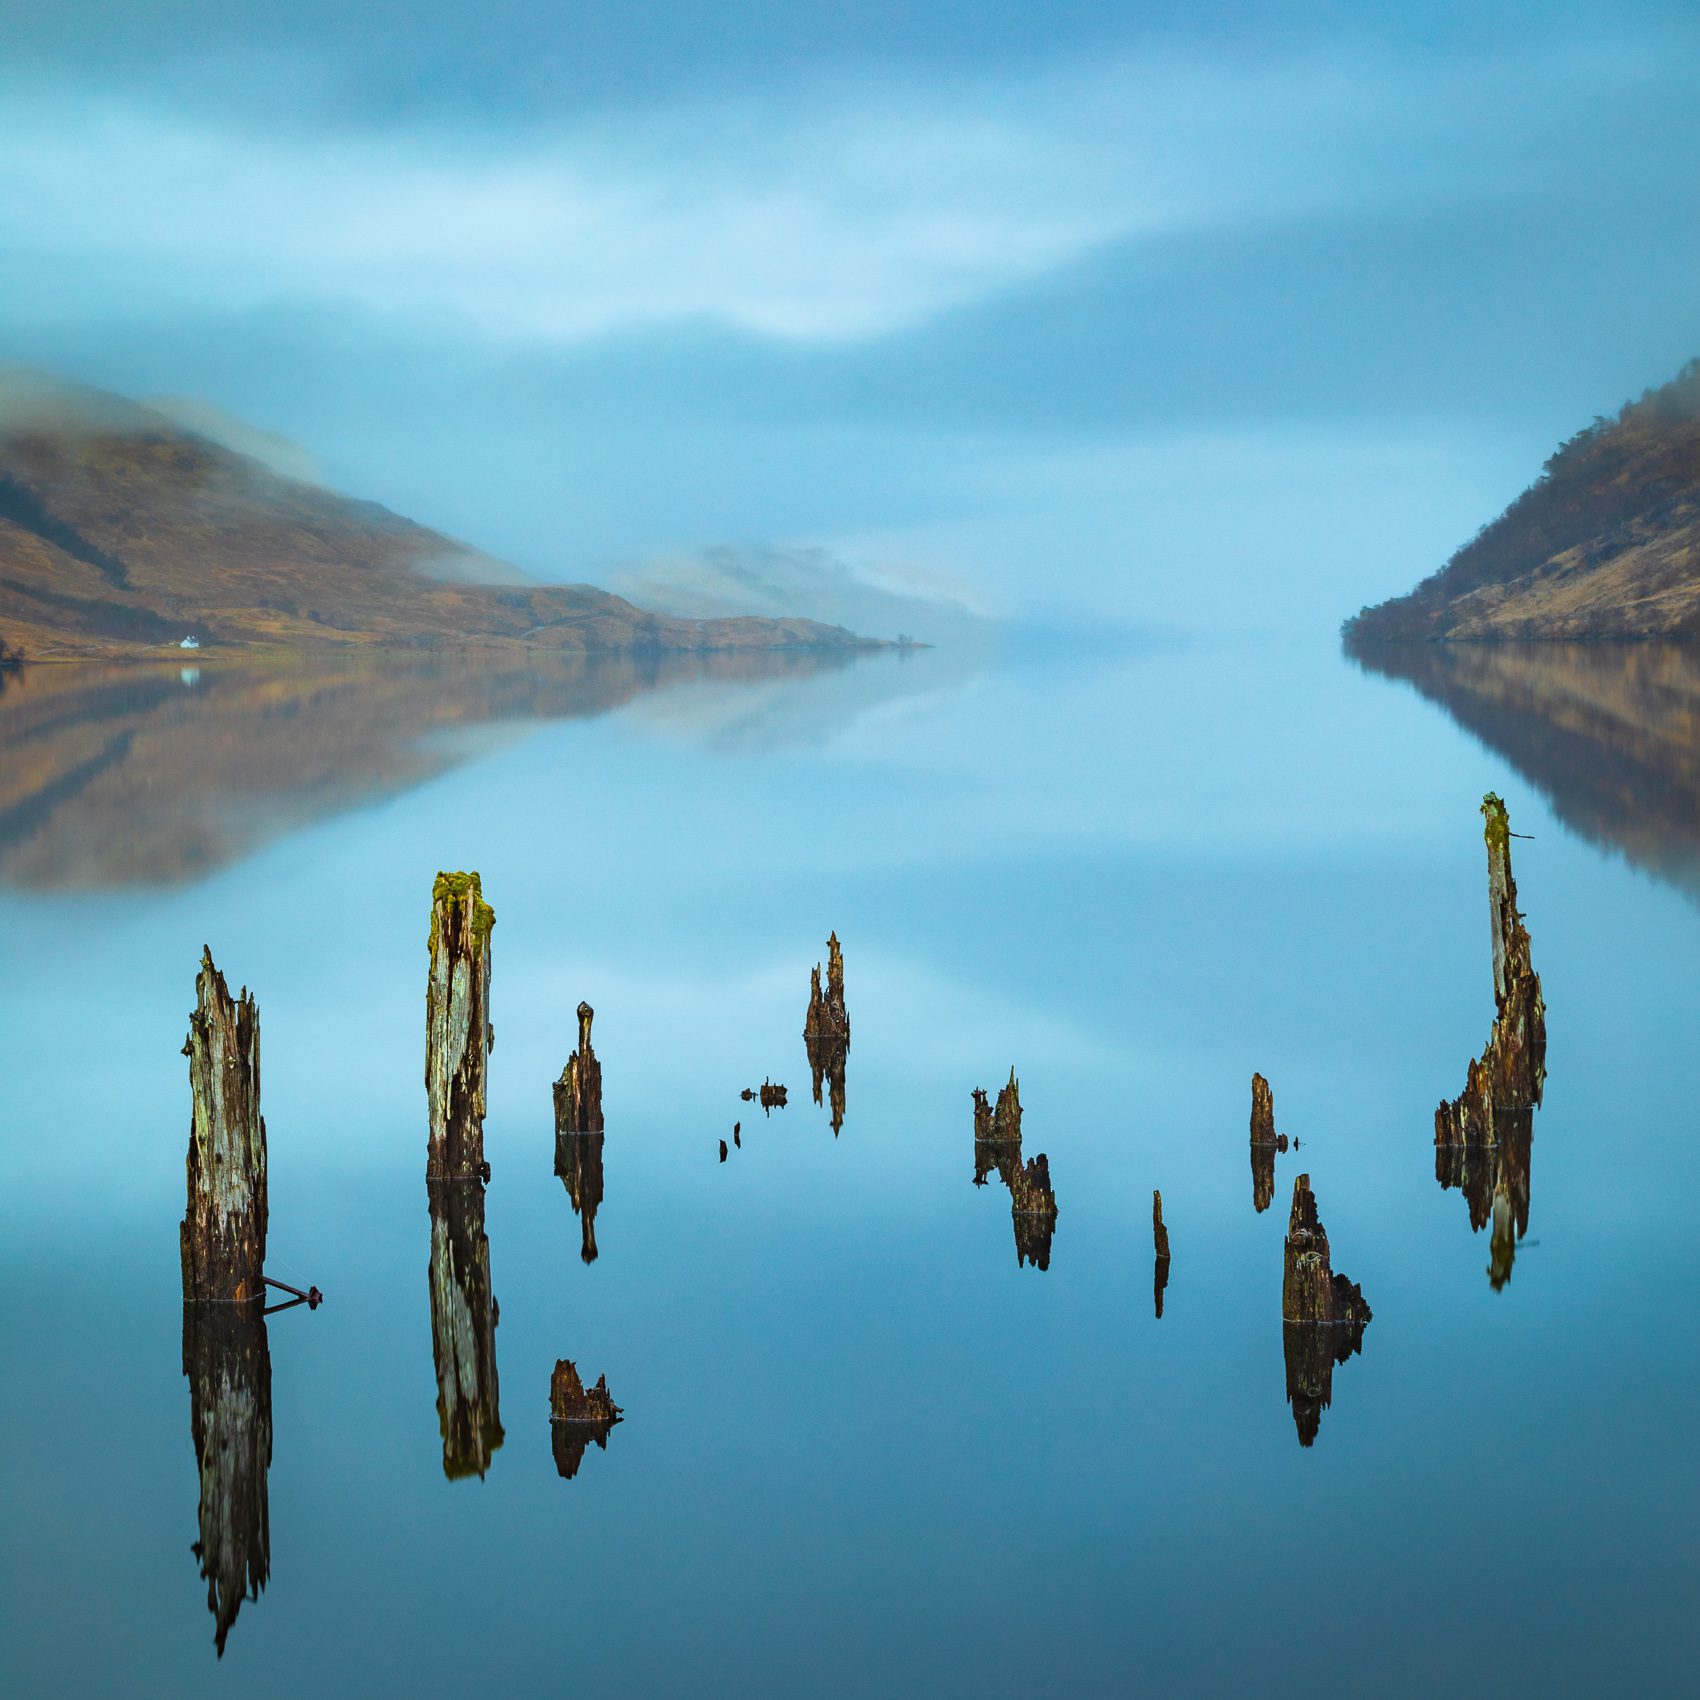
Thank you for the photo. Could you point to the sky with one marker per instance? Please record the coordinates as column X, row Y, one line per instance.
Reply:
column 1155, row 315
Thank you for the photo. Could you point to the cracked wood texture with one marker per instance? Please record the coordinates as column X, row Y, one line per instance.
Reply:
column 458, row 1034
column 223, row 1234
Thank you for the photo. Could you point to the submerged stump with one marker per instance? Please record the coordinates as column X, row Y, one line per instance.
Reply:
column 458, row 1034
column 222, row 1239
column 229, row 1370
column 578, row 1093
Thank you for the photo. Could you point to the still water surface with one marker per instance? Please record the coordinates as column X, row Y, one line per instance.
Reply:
column 865, row 1449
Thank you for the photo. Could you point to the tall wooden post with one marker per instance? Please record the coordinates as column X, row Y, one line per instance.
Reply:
column 223, row 1234
column 458, row 1034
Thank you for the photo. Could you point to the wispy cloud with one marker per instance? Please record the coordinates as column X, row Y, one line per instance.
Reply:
column 842, row 212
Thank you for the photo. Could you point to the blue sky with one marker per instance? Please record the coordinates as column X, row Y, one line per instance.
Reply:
column 1092, row 312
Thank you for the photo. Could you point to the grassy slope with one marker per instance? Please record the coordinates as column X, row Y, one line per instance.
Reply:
column 1606, row 544
column 120, row 533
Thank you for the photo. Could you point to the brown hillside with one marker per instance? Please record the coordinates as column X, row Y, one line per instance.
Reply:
column 121, row 533
column 1605, row 544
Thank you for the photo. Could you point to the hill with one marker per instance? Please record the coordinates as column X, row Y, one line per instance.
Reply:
column 1604, row 544
column 122, row 531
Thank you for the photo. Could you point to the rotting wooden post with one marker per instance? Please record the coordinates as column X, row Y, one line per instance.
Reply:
column 230, row 1420
column 828, row 1019
column 1006, row 1118
column 1262, row 1112
column 578, row 1093
column 576, row 1417
column 1033, row 1211
column 458, row 1034
column 223, row 1235
column 1310, row 1290
column 1518, row 1046
column 1482, row 1137
column 1323, row 1315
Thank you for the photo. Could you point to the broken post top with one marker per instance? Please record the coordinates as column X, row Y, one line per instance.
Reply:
column 570, row 1403
column 585, row 1016
column 828, row 1021
column 463, row 893
column 1159, row 1233
column 1310, row 1290
column 222, row 1239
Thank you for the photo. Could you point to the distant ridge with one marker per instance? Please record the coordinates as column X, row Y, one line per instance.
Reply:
column 122, row 532
column 1604, row 544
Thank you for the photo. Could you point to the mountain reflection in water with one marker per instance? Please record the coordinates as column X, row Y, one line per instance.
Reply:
column 1610, row 732
column 143, row 775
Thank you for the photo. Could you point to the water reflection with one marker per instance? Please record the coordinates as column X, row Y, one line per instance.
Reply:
column 229, row 1367
column 578, row 1161
column 463, row 1328
column 1610, row 733
column 113, row 774
column 997, row 1146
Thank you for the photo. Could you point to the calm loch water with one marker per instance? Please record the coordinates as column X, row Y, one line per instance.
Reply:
column 866, row 1447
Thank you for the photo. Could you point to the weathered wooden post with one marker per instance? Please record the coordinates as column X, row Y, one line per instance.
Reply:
column 1160, row 1244
column 230, row 1419
column 578, row 1093
column 1033, row 1211
column 458, row 1034
column 1323, row 1315
column 223, row 1235
column 576, row 1417
column 463, row 1329
column 1262, row 1112
column 1482, row 1137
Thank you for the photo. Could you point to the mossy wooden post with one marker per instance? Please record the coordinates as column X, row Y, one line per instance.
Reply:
column 578, row 1093
column 1518, row 1046
column 223, row 1234
column 230, row 1420
column 458, row 1034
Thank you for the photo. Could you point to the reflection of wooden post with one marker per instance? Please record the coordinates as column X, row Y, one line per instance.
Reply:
column 458, row 1035
column 223, row 1235
column 230, row 1418
column 578, row 1093
column 463, row 1330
